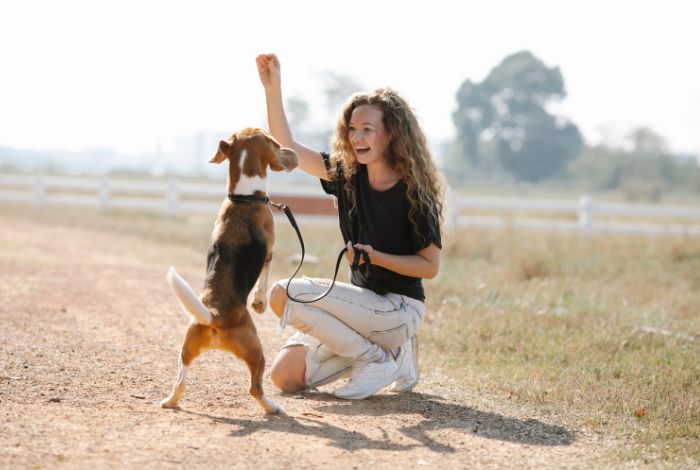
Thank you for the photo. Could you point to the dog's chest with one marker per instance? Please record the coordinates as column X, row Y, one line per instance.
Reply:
column 234, row 266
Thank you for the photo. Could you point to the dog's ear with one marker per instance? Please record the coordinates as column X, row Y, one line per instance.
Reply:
column 224, row 151
column 284, row 159
column 279, row 158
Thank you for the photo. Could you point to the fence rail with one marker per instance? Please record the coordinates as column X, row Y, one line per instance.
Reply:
column 174, row 197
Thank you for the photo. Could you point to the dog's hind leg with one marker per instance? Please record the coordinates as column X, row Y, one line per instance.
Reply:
column 196, row 338
column 244, row 343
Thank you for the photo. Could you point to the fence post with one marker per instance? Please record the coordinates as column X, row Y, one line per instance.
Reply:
column 39, row 192
column 172, row 199
column 585, row 212
column 454, row 209
column 103, row 193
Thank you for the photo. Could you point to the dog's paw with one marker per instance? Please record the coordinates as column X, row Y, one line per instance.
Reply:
column 258, row 305
column 277, row 410
column 270, row 407
column 168, row 403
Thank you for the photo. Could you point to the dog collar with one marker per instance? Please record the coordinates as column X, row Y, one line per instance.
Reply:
column 248, row 198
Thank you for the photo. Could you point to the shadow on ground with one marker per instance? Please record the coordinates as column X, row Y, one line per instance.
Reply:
column 437, row 413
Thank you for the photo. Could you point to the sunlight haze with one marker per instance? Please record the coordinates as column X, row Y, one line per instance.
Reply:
column 134, row 76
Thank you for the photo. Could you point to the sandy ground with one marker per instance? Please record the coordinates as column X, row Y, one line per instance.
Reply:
column 91, row 335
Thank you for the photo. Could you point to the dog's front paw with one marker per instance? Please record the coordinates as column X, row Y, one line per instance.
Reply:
column 259, row 305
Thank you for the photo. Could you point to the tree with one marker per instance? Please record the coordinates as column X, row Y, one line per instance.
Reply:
column 641, row 167
column 473, row 115
column 510, row 107
column 297, row 111
column 338, row 89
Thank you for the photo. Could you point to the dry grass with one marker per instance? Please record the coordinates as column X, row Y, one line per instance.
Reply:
column 549, row 321
column 604, row 329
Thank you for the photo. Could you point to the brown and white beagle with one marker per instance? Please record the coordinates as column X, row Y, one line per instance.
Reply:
column 239, row 254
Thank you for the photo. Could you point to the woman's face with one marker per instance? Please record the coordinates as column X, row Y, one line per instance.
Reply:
column 367, row 135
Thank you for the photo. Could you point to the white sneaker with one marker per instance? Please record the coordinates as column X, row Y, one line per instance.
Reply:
column 368, row 378
column 407, row 361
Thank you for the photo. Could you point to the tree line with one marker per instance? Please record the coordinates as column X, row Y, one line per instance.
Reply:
column 506, row 131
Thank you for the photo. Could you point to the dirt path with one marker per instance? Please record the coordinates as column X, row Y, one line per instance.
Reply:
column 90, row 343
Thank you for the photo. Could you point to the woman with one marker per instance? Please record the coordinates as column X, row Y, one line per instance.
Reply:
column 390, row 206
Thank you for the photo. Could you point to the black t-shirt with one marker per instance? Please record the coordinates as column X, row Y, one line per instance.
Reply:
column 381, row 221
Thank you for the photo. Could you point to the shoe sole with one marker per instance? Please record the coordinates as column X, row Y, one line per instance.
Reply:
column 365, row 395
column 405, row 389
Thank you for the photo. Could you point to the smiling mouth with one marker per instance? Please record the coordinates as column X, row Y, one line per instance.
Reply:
column 362, row 151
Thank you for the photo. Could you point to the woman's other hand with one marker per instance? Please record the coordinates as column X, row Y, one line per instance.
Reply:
column 350, row 254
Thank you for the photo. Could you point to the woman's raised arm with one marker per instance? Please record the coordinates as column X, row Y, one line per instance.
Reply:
column 310, row 160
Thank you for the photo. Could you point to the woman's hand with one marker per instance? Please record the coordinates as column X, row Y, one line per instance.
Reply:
column 269, row 70
column 424, row 264
column 350, row 254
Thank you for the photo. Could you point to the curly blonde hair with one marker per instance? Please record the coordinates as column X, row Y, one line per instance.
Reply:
column 407, row 152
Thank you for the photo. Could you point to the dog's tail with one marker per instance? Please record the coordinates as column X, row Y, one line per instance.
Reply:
column 188, row 299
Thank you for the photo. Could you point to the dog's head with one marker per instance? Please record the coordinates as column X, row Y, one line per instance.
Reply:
column 250, row 152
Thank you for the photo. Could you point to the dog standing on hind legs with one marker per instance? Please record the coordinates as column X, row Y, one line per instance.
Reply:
column 239, row 254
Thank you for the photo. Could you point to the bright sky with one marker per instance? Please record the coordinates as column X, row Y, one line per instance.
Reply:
column 133, row 75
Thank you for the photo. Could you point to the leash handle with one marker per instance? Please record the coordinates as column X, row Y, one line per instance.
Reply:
column 355, row 262
column 356, row 259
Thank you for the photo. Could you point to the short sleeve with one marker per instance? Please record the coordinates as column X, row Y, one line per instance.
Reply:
column 425, row 231
column 330, row 187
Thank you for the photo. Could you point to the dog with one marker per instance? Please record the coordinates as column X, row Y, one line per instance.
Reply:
column 240, row 253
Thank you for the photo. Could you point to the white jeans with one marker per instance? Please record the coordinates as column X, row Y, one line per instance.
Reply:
column 349, row 324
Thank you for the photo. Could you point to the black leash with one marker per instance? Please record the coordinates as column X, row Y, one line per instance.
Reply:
column 359, row 254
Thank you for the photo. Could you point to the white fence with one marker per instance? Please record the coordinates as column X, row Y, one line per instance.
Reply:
column 106, row 193
column 172, row 197
column 583, row 214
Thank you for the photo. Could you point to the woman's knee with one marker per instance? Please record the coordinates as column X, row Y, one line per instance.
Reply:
column 288, row 369
column 278, row 299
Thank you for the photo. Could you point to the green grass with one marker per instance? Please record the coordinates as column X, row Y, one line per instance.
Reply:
column 545, row 320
